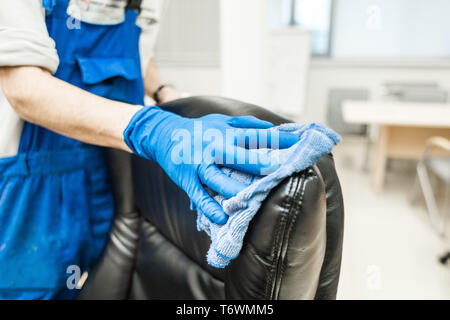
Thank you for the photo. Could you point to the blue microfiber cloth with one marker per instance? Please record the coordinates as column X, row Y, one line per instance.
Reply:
column 226, row 240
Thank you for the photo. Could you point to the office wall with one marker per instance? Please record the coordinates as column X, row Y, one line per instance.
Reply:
column 327, row 74
column 189, row 33
column 234, row 53
column 379, row 41
column 187, row 52
column 260, row 64
column 391, row 28
column 192, row 79
column 199, row 75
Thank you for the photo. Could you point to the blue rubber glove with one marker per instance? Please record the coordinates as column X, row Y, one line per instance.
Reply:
column 189, row 151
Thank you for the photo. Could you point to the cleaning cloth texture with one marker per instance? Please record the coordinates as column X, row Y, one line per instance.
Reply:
column 226, row 240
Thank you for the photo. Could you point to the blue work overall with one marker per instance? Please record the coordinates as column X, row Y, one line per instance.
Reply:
column 56, row 203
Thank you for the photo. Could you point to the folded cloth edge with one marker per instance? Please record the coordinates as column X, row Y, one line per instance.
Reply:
column 227, row 240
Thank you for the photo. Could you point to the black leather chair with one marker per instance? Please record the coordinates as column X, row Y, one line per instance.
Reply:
column 292, row 249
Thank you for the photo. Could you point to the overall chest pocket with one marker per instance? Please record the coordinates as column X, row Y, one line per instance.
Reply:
column 113, row 78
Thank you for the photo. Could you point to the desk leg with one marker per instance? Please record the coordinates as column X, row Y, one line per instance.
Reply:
column 380, row 158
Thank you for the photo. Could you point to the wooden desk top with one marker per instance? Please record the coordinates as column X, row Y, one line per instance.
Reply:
column 397, row 113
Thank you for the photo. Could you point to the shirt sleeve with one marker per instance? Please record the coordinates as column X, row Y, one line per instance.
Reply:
column 150, row 21
column 24, row 40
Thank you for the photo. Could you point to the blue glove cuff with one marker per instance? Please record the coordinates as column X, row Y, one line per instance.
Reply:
column 132, row 133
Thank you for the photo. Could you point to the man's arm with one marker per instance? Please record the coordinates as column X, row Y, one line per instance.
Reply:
column 40, row 98
column 27, row 60
column 150, row 21
column 153, row 81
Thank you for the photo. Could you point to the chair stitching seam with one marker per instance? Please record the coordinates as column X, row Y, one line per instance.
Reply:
column 276, row 245
column 298, row 210
column 294, row 204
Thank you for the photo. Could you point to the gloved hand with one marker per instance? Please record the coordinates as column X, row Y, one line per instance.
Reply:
column 189, row 150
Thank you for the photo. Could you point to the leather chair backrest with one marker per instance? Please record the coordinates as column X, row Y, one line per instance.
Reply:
column 292, row 249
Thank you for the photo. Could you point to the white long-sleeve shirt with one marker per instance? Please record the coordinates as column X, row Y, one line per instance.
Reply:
column 24, row 41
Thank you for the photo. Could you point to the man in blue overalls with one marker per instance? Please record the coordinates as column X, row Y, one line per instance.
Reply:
column 74, row 90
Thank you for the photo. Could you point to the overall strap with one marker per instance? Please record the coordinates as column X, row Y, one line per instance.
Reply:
column 48, row 5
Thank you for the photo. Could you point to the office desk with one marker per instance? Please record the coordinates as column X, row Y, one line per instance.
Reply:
column 403, row 127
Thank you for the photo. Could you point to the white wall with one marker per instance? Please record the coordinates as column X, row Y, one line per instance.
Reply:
column 327, row 74
column 287, row 70
column 262, row 65
column 194, row 80
column 196, row 75
column 189, row 33
column 225, row 47
column 188, row 48
column 391, row 28
column 243, row 27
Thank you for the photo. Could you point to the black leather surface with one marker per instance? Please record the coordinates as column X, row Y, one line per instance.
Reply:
column 292, row 249
column 110, row 278
column 329, row 275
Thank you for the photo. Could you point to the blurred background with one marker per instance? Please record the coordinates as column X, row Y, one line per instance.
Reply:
column 378, row 72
